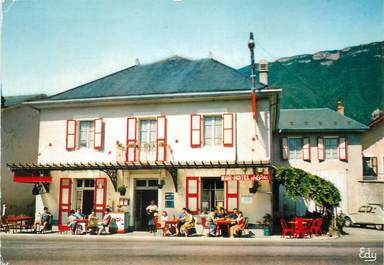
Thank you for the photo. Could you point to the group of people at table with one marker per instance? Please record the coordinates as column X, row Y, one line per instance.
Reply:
column 217, row 221
column 75, row 219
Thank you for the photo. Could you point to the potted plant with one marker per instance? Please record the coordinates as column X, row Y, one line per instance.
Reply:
column 122, row 189
column 267, row 223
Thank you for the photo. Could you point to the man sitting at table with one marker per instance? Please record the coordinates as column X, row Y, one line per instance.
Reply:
column 106, row 220
column 41, row 220
column 233, row 214
column 79, row 215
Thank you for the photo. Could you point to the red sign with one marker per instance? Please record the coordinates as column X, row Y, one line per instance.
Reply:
column 245, row 177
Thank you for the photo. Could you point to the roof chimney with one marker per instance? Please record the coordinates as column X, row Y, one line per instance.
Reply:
column 340, row 107
column 137, row 61
column 263, row 71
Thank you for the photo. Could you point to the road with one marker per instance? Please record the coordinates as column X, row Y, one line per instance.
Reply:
column 157, row 251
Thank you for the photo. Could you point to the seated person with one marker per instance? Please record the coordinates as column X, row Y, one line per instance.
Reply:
column 233, row 214
column 41, row 220
column 72, row 221
column 181, row 221
column 163, row 225
column 239, row 226
column 221, row 213
column 79, row 215
column 92, row 222
column 189, row 225
column 106, row 220
column 212, row 217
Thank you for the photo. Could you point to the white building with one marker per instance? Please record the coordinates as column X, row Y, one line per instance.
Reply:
column 167, row 131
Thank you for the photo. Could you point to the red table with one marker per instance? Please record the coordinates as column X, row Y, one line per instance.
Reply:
column 172, row 222
column 219, row 223
column 18, row 221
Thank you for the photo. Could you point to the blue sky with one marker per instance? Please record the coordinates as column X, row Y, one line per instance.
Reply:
column 49, row 46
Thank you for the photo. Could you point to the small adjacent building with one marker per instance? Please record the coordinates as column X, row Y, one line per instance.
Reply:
column 182, row 132
column 372, row 184
column 323, row 142
column 19, row 142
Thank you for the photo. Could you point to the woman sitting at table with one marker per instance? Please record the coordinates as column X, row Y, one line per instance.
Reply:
column 189, row 226
column 239, row 226
column 72, row 221
column 92, row 222
column 163, row 224
column 211, row 218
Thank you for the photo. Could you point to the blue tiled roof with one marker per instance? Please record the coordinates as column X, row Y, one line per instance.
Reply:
column 170, row 76
column 322, row 119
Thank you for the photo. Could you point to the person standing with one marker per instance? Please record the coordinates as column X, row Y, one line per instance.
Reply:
column 151, row 210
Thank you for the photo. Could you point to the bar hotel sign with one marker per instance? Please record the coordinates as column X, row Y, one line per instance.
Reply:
column 245, row 177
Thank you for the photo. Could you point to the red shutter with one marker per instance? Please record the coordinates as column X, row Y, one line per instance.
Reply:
column 100, row 196
column 228, row 128
column 64, row 201
column 306, row 149
column 98, row 134
column 131, row 139
column 161, row 139
column 284, row 148
column 320, row 148
column 192, row 194
column 195, row 130
column 343, row 148
column 71, row 135
column 231, row 195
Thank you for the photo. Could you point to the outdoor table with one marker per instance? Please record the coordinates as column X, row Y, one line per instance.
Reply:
column 298, row 229
column 19, row 220
column 172, row 222
column 85, row 222
column 219, row 223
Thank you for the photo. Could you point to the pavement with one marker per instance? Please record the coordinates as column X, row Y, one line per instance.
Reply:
column 144, row 248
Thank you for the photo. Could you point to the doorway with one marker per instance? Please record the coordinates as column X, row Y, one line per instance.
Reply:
column 85, row 192
column 145, row 192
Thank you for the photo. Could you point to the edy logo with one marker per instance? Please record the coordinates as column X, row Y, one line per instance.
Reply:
column 366, row 255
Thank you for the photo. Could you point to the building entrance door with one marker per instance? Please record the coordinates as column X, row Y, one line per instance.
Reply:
column 146, row 191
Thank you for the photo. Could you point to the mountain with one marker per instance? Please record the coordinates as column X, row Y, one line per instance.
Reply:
column 353, row 75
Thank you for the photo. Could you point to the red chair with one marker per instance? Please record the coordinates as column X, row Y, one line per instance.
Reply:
column 286, row 228
column 158, row 225
column 316, row 226
column 204, row 224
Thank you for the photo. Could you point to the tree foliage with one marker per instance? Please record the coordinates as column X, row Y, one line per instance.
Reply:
column 299, row 183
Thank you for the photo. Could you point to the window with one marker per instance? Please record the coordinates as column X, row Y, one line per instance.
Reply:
column 86, row 134
column 370, row 166
column 213, row 127
column 212, row 194
column 147, row 139
column 295, row 146
column 331, row 148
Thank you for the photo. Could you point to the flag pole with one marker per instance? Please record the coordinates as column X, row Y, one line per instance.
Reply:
column 251, row 46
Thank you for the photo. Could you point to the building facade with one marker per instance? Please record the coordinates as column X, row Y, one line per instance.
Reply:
column 325, row 143
column 180, row 132
column 19, row 142
column 372, row 184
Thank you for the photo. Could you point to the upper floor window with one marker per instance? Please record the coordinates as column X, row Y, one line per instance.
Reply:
column 213, row 127
column 147, row 131
column 147, row 139
column 370, row 166
column 331, row 148
column 86, row 134
column 295, row 146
